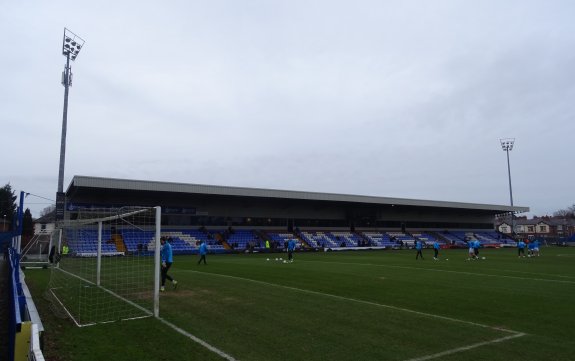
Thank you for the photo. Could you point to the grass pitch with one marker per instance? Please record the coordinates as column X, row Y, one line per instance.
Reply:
column 381, row 305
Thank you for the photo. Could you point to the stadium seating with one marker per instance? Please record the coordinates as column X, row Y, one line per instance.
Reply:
column 331, row 239
column 401, row 237
column 242, row 239
column 350, row 239
column 86, row 242
column 381, row 239
column 319, row 239
column 281, row 238
column 455, row 239
column 187, row 241
column 428, row 239
column 488, row 238
column 133, row 239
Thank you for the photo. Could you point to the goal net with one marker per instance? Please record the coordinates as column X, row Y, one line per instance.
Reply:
column 36, row 253
column 106, row 266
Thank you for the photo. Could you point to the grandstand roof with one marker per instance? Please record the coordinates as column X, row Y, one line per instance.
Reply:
column 87, row 182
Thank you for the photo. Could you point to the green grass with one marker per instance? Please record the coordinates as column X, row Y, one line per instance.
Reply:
column 121, row 278
column 343, row 306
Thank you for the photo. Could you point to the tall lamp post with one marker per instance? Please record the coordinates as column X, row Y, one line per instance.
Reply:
column 71, row 46
column 507, row 146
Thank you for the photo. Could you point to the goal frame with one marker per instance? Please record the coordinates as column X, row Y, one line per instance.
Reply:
column 157, row 216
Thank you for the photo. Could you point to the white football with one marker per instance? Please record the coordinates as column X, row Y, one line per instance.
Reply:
column 447, row 259
column 482, row 257
column 267, row 259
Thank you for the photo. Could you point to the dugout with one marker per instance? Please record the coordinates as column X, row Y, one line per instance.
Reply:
column 194, row 205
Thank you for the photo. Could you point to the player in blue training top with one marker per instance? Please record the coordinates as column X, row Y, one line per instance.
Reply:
column 520, row 248
column 167, row 261
column 530, row 249
column 290, row 249
column 436, row 248
column 203, row 252
column 476, row 246
column 536, row 248
column 419, row 247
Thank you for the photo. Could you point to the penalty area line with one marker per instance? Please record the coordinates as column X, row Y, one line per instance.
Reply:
column 348, row 299
column 198, row 340
column 465, row 348
column 514, row 334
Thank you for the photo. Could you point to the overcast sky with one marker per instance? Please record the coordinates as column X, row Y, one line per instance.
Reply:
column 404, row 99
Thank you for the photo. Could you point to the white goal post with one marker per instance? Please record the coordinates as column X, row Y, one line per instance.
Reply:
column 107, row 265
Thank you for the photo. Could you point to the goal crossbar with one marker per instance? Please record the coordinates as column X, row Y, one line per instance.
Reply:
column 104, row 219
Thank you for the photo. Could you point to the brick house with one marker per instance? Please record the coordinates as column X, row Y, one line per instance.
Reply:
column 553, row 228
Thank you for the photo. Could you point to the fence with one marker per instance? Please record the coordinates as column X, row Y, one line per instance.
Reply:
column 25, row 324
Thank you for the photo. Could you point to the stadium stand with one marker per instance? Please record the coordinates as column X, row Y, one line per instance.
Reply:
column 400, row 237
column 319, row 239
column 338, row 239
column 213, row 240
column 280, row 239
column 453, row 239
column 86, row 243
column 380, row 239
column 428, row 239
column 496, row 237
column 243, row 239
column 348, row 238
column 138, row 241
column 186, row 241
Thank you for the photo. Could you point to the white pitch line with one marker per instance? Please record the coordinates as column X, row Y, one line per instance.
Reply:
column 465, row 348
column 528, row 273
column 446, row 271
column 176, row 328
column 515, row 334
column 425, row 314
column 198, row 340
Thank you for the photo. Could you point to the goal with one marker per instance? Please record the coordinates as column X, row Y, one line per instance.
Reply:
column 107, row 265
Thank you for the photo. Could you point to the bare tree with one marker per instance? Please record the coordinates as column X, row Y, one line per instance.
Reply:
column 569, row 212
column 48, row 210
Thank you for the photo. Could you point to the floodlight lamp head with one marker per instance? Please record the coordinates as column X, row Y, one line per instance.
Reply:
column 71, row 44
column 507, row 144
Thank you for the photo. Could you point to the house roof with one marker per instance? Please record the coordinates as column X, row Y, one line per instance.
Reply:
column 47, row 218
column 534, row 221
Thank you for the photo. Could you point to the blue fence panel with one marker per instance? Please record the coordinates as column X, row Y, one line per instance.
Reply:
column 16, row 305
